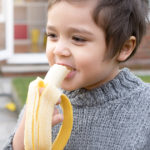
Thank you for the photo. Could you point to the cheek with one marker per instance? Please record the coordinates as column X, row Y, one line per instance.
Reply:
column 89, row 60
column 49, row 54
column 92, row 66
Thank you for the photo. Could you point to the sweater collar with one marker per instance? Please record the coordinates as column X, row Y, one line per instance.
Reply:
column 123, row 84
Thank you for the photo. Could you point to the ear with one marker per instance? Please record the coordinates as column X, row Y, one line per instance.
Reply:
column 127, row 49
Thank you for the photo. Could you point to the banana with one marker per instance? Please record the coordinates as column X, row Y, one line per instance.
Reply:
column 40, row 107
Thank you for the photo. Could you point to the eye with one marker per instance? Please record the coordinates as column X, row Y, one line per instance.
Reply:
column 78, row 39
column 52, row 36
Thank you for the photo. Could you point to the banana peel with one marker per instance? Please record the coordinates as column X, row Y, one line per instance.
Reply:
column 40, row 107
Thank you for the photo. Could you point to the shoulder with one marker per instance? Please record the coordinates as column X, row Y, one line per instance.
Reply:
column 140, row 98
column 138, row 85
column 145, row 89
column 136, row 90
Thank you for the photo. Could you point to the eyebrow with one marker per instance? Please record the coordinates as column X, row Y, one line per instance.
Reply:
column 81, row 30
column 72, row 29
column 49, row 27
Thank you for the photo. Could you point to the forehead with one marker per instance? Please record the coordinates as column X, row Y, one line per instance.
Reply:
column 90, row 4
column 73, row 2
column 79, row 10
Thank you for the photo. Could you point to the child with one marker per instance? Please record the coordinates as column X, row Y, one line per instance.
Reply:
column 111, row 107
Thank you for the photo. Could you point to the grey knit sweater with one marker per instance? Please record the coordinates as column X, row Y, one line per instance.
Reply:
column 115, row 116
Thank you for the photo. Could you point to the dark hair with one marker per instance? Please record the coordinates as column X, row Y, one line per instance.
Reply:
column 120, row 19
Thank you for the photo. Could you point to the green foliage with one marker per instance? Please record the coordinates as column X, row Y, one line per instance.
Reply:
column 21, row 84
column 145, row 78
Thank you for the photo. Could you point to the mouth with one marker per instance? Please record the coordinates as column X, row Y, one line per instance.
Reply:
column 71, row 74
column 71, row 69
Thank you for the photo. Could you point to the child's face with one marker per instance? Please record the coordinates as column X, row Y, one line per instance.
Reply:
column 76, row 41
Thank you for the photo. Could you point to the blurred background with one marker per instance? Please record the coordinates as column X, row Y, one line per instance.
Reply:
column 23, row 37
column 22, row 56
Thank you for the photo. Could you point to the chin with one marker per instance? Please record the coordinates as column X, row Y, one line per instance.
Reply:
column 69, row 88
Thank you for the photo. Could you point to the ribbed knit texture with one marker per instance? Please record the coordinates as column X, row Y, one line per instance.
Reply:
column 115, row 116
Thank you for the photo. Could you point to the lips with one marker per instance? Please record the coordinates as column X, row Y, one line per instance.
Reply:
column 71, row 74
column 69, row 67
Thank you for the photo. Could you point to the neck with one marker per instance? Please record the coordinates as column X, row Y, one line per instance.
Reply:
column 120, row 87
column 100, row 83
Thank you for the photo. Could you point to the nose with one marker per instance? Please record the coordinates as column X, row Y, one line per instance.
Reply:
column 62, row 49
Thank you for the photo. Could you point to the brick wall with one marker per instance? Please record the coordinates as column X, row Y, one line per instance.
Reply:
column 144, row 48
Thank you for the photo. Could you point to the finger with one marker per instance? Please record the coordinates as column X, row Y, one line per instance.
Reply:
column 59, row 101
column 57, row 119
column 56, row 111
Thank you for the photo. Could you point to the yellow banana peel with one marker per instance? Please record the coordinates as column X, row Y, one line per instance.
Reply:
column 40, row 107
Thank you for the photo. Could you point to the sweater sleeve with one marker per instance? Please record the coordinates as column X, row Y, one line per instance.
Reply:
column 8, row 144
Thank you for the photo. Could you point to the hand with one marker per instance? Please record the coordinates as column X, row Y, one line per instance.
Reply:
column 57, row 116
column 19, row 135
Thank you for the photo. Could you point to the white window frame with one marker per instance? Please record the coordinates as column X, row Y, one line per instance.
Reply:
column 7, row 17
column 26, row 58
column 2, row 11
